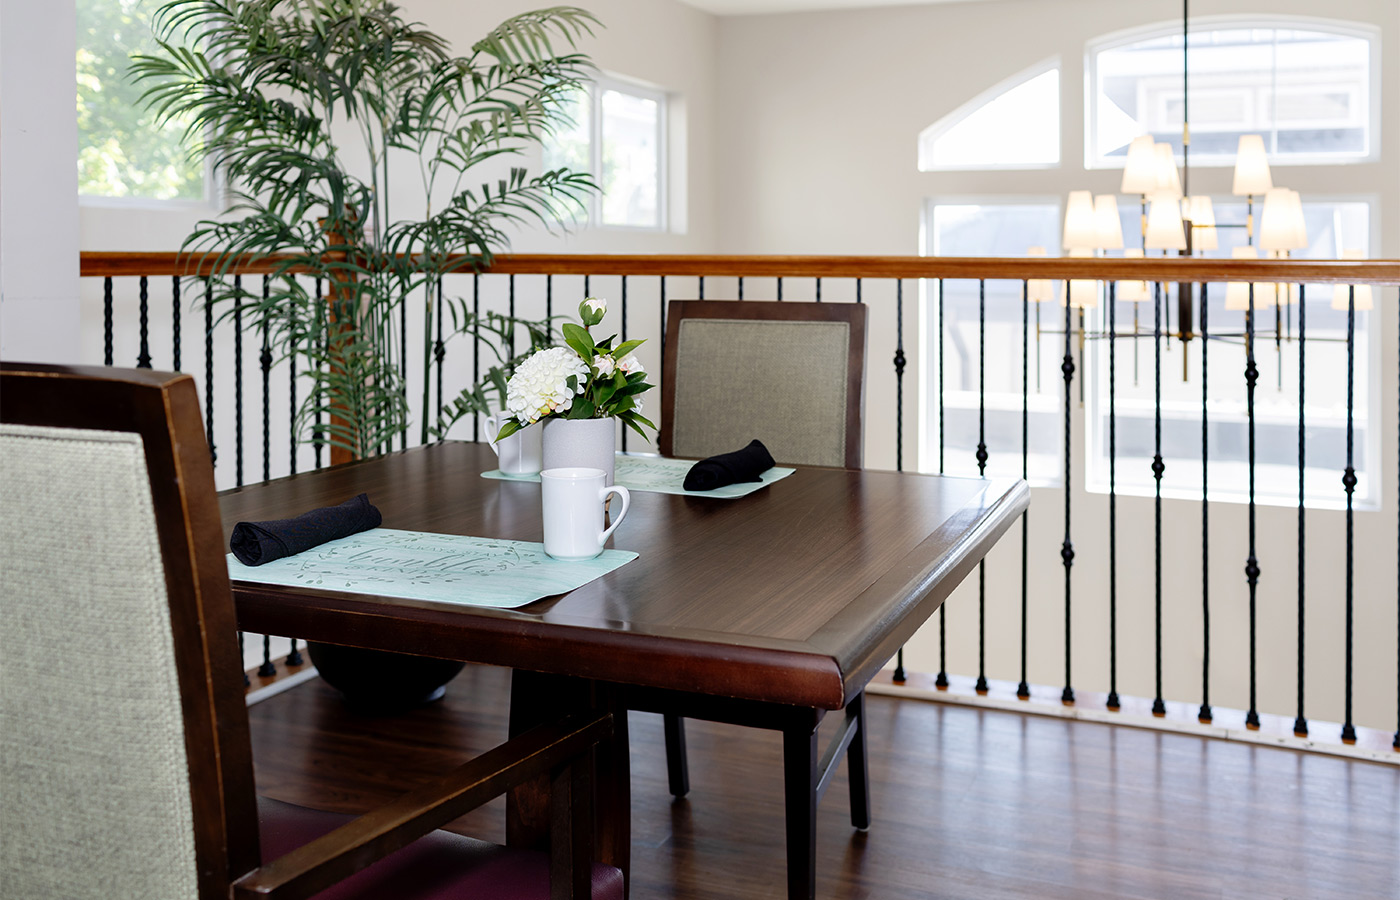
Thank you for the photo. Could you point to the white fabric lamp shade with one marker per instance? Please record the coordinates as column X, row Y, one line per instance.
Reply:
column 1201, row 212
column 1237, row 292
column 1282, row 226
column 1083, row 292
column 1251, row 167
column 1164, row 228
column 1080, row 232
column 1342, row 292
column 1038, row 290
column 1131, row 291
column 1168, row 179
column 1140, row 172
column 1108, row 228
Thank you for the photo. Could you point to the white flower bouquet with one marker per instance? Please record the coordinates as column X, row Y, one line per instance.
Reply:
column 585, row 379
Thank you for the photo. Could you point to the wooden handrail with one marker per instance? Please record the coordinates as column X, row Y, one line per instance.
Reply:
column 1164, row 269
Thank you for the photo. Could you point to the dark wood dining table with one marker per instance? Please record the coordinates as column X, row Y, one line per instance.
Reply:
column 785, row 602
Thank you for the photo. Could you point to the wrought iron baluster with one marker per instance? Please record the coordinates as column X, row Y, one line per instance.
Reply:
column 941, row 682
column 175, row 321
column 858, row 297
column 476, row 348
column 427, row 360
column 1159, row 708
column 403, row 373
column 265, row 361
column 623, row 338
column 899, row 673
column 1300, row 723
column 1349, row 482
column 819, row 290
column 1112, row 701
column 439, row 345
column 662, row 295
column 981, row 686
column 780, row 289
column 1023, row 689
column 107, row 327
column 1067, row 548
column 1205, row 714
column 1251, row 567
column 143, row 358
column 323, row 333
column 587, row 292
column 702, row 288
column 292, row 400
column 238, row 379
column 267, row 669
column 1396, row 742
column 741, row 287
column 209, row 369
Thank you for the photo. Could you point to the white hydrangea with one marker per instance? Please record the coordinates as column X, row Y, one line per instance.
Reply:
column 606, row 365
column 631, row 364
column 540, row 384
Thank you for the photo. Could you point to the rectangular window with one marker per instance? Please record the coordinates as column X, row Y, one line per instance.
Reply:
column 123, row 153
column 618, row 136
column 976, row 227
column 1333, row 226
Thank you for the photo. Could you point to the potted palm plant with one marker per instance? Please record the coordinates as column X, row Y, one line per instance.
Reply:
column 306, row 108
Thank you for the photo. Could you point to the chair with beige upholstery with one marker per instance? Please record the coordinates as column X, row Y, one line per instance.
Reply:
column 125, row 763
column 791, row 375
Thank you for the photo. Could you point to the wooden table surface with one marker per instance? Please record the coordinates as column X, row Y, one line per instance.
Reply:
column 796, row 594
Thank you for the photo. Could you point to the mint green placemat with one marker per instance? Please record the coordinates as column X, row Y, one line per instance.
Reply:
column 417, row 565
column 660, row 475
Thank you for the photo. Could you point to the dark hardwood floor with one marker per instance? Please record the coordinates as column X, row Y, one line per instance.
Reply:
column 967, row 803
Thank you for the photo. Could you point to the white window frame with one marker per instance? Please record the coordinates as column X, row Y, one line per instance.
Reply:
column 1371, row 34
column 957, row 116
column 595, row 90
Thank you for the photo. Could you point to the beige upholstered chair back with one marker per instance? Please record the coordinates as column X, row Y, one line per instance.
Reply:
column 92, row 740
column 99, row 762
column 789, row 374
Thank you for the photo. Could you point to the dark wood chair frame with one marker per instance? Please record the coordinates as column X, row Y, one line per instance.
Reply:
column 853, row 314
column 806, row 775
column 164, row 410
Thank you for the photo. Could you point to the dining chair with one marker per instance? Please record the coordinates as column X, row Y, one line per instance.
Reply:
column 125, row 763
column 791, row 375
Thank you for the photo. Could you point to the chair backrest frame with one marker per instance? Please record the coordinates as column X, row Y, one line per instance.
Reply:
column 853, row 314
column 163, row 409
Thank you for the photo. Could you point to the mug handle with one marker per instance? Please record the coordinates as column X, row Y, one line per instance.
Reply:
column 617, row 520
column 491, row 428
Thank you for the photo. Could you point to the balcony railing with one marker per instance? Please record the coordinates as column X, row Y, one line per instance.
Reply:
column 1209, row 599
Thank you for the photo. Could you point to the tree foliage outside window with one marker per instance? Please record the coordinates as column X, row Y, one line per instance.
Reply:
column 123, row 150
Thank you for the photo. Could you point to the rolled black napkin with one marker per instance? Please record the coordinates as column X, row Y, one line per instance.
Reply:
column 729, row 468
column 255, row 543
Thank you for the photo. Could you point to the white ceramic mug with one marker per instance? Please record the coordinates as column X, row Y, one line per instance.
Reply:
column 520, row 454
column 574, row 501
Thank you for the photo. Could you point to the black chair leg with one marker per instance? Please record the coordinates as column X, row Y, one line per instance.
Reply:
column 857, row 767
column 677, row 768
column 800, row 776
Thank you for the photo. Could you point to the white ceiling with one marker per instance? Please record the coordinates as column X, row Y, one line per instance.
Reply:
column 757, row 7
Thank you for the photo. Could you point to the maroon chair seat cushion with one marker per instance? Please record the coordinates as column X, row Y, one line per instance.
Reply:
column 440, row 866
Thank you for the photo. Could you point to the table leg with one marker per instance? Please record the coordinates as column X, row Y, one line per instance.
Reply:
column 677, row 767
column 800, row 776
column 536, row 698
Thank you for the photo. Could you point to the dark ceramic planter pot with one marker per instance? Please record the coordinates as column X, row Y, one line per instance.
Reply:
column 377, row 682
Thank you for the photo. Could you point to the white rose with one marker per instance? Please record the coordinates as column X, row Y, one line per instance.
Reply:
column 606, row 366
column 540, row 385
column 596, row 305
column 631, row 364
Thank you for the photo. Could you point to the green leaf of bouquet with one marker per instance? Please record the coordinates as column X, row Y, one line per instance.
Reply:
column 509, row 428
column 626, row 347
column 582, row 409
column 606, row 388
column 579, row 339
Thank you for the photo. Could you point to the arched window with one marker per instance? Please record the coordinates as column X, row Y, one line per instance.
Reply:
column 1015, row 125
column 1308, row 87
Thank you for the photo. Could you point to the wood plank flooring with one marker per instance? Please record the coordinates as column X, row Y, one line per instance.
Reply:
column 967, row 803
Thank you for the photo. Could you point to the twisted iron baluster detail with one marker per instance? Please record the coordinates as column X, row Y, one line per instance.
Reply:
column 107, row 327
column 175, row 322
column 143, row 359
column 267, row 669
column 1067, row 548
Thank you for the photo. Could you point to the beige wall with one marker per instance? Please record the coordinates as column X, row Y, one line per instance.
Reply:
column 820, row 118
